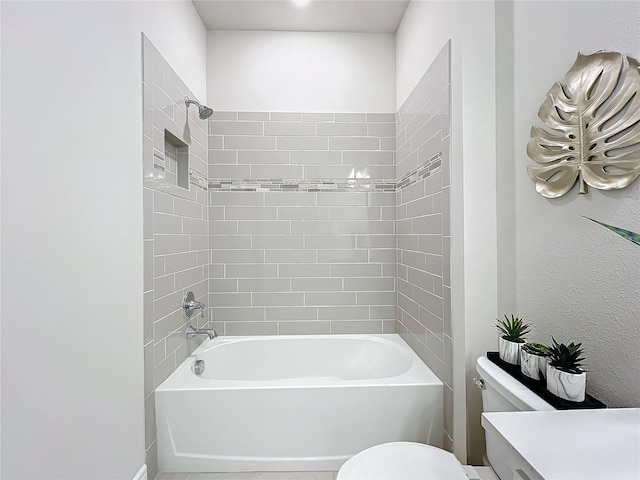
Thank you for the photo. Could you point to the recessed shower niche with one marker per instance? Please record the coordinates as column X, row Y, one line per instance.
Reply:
column 176, row 161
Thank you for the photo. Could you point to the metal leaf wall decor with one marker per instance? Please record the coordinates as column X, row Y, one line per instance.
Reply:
column 593, row 127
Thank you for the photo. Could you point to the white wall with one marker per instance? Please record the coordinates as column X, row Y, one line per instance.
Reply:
column 72, row 363
column 505, row 165
column 300, row 71
column 575, row 280
column 425, row 28
column 565, row 283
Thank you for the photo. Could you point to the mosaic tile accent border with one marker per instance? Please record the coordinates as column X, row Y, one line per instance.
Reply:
column 424, row 170
column 198, row 180
column 301, row 185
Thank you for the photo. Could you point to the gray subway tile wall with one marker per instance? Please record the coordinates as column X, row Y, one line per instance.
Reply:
column 302, row 145
column 305, row 242
column 423, row 231
column 176, row 234
column 337, row 269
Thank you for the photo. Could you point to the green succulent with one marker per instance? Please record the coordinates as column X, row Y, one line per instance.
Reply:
column 513, row 329
column 536, row 349
column 566, row 357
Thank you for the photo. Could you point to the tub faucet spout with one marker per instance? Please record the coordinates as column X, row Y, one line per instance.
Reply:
column 192, row 332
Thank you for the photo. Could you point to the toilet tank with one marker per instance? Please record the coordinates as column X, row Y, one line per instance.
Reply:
column 503, row 393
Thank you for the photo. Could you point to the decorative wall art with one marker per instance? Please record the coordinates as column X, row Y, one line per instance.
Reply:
column 592, row 127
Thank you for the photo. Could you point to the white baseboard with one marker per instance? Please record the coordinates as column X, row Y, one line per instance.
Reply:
column 142, row 473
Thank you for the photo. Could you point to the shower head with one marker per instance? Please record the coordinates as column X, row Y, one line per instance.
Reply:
column 204, row 112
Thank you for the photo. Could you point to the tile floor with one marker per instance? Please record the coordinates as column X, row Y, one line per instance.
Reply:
column 249, row 476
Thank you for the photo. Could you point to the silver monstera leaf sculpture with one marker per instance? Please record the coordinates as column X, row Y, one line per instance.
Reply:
column 593, row 127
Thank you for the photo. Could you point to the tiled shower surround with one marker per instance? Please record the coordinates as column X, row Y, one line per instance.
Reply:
column 176, row 244
column 301, row 218
column 325, row 223
column 296, row 223
column 423, row 226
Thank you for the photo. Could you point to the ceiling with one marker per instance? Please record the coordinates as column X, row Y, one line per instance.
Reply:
column 364, row 16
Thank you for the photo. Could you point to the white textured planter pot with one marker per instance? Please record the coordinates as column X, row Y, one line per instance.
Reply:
column 510, row 351
column 533, row 366
column 570, row 386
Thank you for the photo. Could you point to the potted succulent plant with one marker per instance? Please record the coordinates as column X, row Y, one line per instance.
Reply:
column 533, row 360
column 565, row 376
column 512, row 331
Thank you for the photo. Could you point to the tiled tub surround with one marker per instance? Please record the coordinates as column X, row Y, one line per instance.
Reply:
column 302, row 262
column 176, row 249
column 423, row 226
column 301, row 218
column 300, row 221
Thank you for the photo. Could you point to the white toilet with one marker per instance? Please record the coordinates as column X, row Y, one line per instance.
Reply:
column 416, row 461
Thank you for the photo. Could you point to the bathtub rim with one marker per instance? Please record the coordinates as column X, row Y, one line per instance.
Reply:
column 183, row 378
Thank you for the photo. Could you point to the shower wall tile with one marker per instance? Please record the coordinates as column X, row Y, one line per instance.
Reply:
column 235, row 142
column 293, row 270
column 299, row 146
column 289, row 129
column 315, row 156
column 304, row 328
column 175, row 221
column 224, row 115
column 220, row 315
column 342, row 129
column 278, row 145
column 228, row 241
column 311, row 258
column 330, row 242
column 291, row 313
column 387, row 129
column 277, row 242
column 263, row 157
column 276, row 171
column 318, row 117
column 253, row 116
column 251, row 328
column 286, row 117
column 354, row 143
column 353, row 326
column 343, row 313
column 422, row 223
column 381, row 117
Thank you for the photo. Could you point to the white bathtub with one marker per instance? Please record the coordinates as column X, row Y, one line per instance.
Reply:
column 294, row 403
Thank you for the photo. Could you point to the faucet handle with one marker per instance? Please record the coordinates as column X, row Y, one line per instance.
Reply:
column 189, row 304
column 193, row 305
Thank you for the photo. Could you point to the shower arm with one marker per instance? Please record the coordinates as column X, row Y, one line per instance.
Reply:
column 204, row 112
column 188, row 101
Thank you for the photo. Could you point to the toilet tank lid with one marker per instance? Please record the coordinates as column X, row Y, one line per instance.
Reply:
column 512, row 390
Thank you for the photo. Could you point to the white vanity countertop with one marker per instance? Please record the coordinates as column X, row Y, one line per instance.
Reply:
column 601, row 444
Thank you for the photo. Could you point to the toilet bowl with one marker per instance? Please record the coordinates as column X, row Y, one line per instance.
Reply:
column 402, row 461
column 416, row 461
